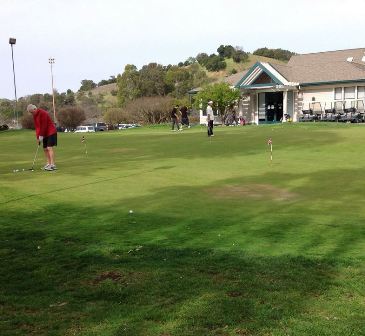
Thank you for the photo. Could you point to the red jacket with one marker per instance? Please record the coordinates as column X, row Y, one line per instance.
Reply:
column 44, row 125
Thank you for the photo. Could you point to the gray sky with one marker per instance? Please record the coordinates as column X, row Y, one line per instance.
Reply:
column 94, row 39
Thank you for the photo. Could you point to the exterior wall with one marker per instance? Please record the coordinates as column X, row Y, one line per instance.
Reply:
column 254, row 108
column 203, row 118
column 244, row 107
column 320, row 94
column 324, row 96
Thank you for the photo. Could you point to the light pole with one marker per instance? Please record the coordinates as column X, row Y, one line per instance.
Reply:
column 12, row 41
column 51, row 61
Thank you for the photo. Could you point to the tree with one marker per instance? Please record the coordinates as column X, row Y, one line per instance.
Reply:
column 71, row 117
column 87, row 85
column 280, row 54
column 202, row 58
column 27, row 121
column 215, row 63
column 152, row 80
column 128, row 85
column 151, row 110
column 111, row 80
column 225, row 51
column 239, row 55
column 118, row 115
column 222, row 95
column 6, row 110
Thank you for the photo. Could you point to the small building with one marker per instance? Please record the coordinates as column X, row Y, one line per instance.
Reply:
column 315, row 82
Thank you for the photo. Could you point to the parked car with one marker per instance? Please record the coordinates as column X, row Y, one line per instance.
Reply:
column 124, row 126
column 85, row 129
column 100, row 126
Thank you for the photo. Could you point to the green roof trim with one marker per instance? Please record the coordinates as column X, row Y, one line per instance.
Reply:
column 253, row 68
column 333, row 82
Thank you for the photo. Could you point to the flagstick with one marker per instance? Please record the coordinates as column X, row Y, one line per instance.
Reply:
column 269, row 142
column 84, row 141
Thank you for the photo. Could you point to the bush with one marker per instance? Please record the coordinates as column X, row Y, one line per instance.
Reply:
column 4, row 127
column 118, row 115
column 215, row 63
column 150, row 110
column 70, row 117
column 27, row 121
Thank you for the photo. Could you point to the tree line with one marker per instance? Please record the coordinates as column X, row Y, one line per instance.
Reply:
column 140, row 95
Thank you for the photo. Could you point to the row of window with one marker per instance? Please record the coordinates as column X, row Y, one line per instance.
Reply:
column 350, row 92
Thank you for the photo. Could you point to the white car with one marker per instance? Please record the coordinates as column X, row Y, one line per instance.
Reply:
column 85, row 129
column 125, row 126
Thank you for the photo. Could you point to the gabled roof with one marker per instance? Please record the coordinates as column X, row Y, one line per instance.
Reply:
column 317, row 68
column 251, row 78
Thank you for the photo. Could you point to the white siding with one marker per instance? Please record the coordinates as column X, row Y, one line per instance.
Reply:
column 320, row 95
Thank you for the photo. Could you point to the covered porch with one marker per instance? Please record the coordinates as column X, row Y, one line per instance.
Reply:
column 270, row 98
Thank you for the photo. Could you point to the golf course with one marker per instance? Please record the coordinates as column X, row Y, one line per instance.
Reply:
column 148, row 232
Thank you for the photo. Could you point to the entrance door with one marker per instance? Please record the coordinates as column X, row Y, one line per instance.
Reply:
column 274, row 106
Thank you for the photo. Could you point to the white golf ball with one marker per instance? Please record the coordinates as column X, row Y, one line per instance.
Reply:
column 130, row 211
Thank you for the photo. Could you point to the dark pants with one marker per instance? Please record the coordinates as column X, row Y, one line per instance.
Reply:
column 185, row 121
column 174, row 121
column 210, row 127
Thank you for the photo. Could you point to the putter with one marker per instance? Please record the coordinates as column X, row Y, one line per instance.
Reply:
column 35, row 156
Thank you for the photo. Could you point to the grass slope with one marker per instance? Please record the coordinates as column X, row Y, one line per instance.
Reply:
column 220, row 241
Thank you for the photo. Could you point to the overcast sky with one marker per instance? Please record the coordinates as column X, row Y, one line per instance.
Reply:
column 94, row 39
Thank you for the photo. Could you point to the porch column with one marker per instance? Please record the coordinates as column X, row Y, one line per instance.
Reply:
column 285, row 104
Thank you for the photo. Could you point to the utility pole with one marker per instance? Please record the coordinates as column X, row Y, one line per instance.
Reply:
column 51, row 61
column 12, row 41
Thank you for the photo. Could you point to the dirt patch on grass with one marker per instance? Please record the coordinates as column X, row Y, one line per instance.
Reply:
column 256, row 191
column 118, row 277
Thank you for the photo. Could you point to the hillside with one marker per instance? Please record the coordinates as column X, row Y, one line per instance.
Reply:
column 213, row 76
column 220, row 75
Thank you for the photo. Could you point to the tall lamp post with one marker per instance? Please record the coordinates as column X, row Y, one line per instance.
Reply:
column 12, row 41
column 51, row 61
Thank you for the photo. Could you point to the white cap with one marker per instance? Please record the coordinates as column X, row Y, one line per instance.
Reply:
column 31, row 107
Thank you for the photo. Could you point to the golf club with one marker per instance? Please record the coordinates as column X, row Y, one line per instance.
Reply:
column 35, row 156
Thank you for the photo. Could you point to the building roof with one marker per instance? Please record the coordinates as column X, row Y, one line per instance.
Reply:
column 330, row 66
column 310, row 69
column 235, row 78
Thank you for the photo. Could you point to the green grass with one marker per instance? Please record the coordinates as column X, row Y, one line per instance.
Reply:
column 220, row 241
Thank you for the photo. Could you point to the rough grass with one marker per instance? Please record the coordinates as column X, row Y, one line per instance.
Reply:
column 220, row 241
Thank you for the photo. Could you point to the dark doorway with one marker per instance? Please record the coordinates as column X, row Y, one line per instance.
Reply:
column 274, row 106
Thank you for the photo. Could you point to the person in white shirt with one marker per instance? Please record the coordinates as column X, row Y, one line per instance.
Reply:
column 210, row 118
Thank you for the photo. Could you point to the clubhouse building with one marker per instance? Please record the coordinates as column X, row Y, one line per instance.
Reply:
column 317, row 82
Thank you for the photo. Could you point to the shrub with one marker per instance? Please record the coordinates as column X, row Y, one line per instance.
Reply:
column 27, row 121
column 150, row 110
column 70, row 117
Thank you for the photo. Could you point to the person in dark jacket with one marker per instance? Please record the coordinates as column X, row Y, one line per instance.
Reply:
column 175, row 118
column 46, row 133
column 184, row 116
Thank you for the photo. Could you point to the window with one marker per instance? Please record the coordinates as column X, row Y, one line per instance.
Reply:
column 338, row 93
column 349, row 92
column 360, row 92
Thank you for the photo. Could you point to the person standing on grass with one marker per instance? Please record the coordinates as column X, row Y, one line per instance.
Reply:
column 175, row 118
column 46, row 133
column 210, row 118
column 184, row 116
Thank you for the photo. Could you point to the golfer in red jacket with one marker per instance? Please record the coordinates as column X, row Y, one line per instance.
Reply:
column 46, row 132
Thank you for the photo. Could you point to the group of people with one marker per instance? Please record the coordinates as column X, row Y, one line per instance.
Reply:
column 178, row 113
column 46, row 132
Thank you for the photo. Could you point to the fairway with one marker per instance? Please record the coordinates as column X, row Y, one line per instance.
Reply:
column 220, row 241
